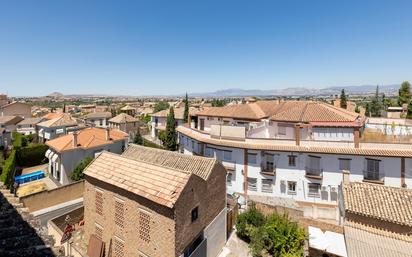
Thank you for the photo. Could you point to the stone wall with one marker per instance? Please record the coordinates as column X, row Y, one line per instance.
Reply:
column 52, row 197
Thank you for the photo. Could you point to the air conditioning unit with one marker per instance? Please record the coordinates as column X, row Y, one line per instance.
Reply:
column 334, row 189
column 324, row 188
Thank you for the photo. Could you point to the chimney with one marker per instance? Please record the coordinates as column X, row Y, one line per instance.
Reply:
column 107, row 134
column 356, row 137
column 345, row 177
column 297, row 134
column 74, row 139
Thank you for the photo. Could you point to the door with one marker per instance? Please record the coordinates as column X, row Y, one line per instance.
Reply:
column 202, row 124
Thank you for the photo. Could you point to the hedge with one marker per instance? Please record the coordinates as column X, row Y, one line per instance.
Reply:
column 32, row 155
column 8, row 169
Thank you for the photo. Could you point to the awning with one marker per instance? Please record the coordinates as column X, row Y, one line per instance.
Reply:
column 329, row 242
column 48, row 152
column 54, row 158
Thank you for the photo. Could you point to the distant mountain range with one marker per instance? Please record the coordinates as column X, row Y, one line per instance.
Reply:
column 302, row 91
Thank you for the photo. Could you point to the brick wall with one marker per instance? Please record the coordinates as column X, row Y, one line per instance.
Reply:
column 162, row 224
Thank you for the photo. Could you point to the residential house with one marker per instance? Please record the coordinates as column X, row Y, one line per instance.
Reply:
column 294, row 152
column 10, row 122
column 87, row 108
column 151, row 202
column 5, row 138
column 97, row 119
column 159, row 119
column 67, row 151
column 128, row 110
column 125, row 123
column 28, row 126
column 377, row 220
column 56, row 127
column 16, row 109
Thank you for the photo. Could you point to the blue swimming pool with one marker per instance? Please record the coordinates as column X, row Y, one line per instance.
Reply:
column 29, row 177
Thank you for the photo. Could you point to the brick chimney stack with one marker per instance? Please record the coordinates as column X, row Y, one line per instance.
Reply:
column 74, row 139
column 107, row 134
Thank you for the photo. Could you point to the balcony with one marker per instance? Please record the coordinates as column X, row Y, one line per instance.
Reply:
column 268, row 170
column 314, row 173
column 373, row 177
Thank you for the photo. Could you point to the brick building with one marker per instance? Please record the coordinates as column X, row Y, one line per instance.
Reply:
column 151, row 202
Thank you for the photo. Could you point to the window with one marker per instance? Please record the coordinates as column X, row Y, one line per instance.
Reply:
column 195, row 214
column 372, row 169
column 99, row 201
column 291, row 188
column 281, row 129
column 144, row 225
column 227, row 155
column 119, row 213
column 314, row 189
column 193, row 145
column 208, row 152
column 267, row 185
column 252, row 184
column 101, row 122
column 313, row 167
column 252, row 158
column 118, row 247
column 229, row 178
column 269, row 162
column 292, row 160
column 344, row 164
column 98, row 230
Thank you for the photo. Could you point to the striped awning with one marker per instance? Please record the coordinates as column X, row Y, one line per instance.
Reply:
column 48, row 152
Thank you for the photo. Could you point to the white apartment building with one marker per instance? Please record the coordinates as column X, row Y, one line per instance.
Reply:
column 294, row 152
column 97, row 119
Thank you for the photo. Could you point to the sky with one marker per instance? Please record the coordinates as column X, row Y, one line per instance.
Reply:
column 170, row 47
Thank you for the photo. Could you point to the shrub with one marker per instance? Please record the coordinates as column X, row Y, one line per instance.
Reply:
column 77, row 174
column 247, row 220
column 32, row 155
column 138, row 139
column 8, row 169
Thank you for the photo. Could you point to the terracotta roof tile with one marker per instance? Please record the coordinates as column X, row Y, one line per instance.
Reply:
column 86, row 138
column 123, row 118
column 179, row 112
column 159, row 184
column 200, row 166
column 63, row 120
column 386, row 203
column 98, row 115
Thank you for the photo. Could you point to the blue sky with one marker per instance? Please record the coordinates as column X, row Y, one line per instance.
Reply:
column 170, row 47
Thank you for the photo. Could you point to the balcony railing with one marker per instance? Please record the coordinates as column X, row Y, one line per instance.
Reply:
column 373, row 176
column 314, row 172
column 268, row 169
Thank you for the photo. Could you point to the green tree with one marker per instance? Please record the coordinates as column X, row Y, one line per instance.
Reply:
column 409, row 113
column 376, row 107
column 145, row 118
column 186, row 113
column 161, row 105
column 138, row 139
column 77, row 174
column 357, row 110
column 404, row 93
column 367, row 110
column 169, row 141
column 252, row 217
column 343, row 99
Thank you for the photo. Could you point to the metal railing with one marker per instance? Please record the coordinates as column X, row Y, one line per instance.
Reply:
column 373, row 175
column 314, row 171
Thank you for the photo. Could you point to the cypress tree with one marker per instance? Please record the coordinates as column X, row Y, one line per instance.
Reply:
column 186, row 113
column 343, row 100
column 171, row 135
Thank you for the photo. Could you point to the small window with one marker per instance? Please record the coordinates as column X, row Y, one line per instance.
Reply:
column 252, row 184
column 119, row 213
column 344, row 164
column 118, row 247
column 252, row 158
column 292, row 160
column 314, row 189
column 99, row 202
column 291, row 187
column 144, row 225
column 267, row 185
column 195, row 214
column 98, row 230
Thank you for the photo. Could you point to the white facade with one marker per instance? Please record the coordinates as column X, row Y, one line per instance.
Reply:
column 159, row 123
column 49, row 133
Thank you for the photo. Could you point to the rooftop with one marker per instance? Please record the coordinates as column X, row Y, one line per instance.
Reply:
column 380, row 202
column 30, row 121
column 63, row 120
column 159, row 184
column 10, row 119
column 197, row 165
column 86, row 138
column 123, row 118
column 52, row 115
column 179, row 112
column 98, row 115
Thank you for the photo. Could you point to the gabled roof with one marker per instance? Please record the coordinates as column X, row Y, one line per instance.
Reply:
column 86, row 138
column 312, row 112
column 200, row 166
column 52, row 115
column 128, row 108
column 14, row 103
column 179, row 112
column 252, row 111
column 63, row 120
column 123, row 118
column 159, row 184
column 380, row 202
column 7, row 120
column 98, row 115
column 30, row 121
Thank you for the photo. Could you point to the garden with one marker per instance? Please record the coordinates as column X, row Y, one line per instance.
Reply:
column 270, row 235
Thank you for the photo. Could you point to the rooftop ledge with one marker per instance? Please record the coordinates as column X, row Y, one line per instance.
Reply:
column 289, row 145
